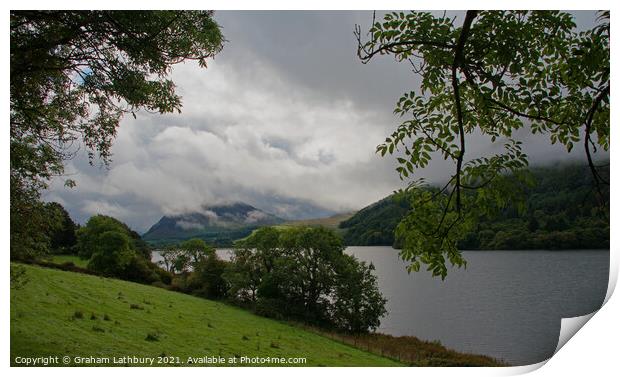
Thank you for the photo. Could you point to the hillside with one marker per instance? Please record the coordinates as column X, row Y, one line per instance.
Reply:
column 374, row 225
column 561, row 214
column 331, row 222
column 65, row 313
column 217, row 225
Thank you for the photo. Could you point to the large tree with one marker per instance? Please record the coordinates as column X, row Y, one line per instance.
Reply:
column 75, row 74
column 491, row 73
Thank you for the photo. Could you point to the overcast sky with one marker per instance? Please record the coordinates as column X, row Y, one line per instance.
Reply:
column 285, row 118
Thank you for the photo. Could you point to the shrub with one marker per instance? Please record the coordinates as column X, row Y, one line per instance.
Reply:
column 139, row 270
column 112, row 255
column 206, row 280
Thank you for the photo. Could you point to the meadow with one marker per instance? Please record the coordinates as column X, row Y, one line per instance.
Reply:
column 77, row 315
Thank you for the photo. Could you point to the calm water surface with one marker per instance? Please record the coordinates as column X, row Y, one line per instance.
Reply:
column 506, row 304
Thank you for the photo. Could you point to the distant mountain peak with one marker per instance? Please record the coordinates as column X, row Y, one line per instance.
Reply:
column 211, row 222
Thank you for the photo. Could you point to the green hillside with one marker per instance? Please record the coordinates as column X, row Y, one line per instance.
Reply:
column 331, row 222
column 374, row 225
column 64, row 313
column 561, row 213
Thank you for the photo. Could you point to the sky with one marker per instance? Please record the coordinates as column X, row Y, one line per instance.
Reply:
column 286, row 118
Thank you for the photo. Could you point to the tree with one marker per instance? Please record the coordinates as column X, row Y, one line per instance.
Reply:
column 88, row 236
column 313, row 256
column 302, row 273
column 34, row 235
column 499, row 71
column 169, row 254
column 196, row 250
column 245, row 272
column 112, row 249
column 207, row 278
column 358, row 304
column 113, row 254
column 63, row 237
column 74, row 75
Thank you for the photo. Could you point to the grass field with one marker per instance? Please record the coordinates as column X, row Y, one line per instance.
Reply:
column 70, row 314
column 60, row 259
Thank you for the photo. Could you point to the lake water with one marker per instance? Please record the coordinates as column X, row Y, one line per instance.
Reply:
column 506, row 304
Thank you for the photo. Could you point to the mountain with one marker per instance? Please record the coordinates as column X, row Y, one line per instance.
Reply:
column 218, row 225
column 561, row 213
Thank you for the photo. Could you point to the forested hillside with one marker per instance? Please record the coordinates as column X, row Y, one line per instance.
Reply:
column 562, row 213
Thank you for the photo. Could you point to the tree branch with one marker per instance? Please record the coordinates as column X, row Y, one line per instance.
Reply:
column 458, row 61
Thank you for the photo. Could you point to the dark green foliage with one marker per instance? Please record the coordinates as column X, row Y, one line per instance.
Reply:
column 375, row 224
column 96, row 225
column 491, row 74
column 358, row 305
column 207, row 278
column 44, row 228
column 144, row 271
column 63, row 236
column 559, row 213
column 113, row 249
column 196, row 250
column 113, row 253
column 179, row 258
column 73, row 76
column 302, row 273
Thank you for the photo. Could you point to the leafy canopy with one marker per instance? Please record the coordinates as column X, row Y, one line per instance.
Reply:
column 302, row 273
column 74, row 74
column 493, row 74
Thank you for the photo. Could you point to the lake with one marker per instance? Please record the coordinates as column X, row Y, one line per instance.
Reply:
column 506, row 304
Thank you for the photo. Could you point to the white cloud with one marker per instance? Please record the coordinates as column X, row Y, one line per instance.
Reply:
column 255, row 128
column 188, row 225
column 254, row 216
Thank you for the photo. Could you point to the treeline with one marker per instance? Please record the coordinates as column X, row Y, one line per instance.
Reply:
column 110, row 246
column 296, row 273
column 375, row 224
column 562, row 212
column 293, row 273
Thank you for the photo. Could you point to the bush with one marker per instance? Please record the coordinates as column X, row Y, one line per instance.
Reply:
column 112, row 255
column 140, row 270
column 206, row 280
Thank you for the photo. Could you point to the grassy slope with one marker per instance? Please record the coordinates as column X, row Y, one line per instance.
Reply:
column 331, row 222
column 60, row 259
column 43, row 323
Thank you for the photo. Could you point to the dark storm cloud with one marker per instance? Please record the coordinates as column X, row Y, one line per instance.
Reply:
column 286, row 118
